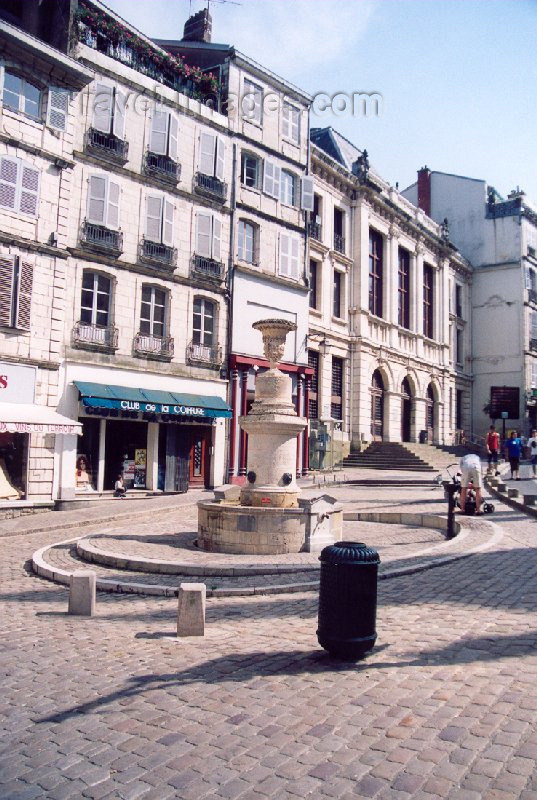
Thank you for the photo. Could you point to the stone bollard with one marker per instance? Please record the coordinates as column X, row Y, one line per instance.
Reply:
column 529, row 499
column 512, row 493
column 82, row 592
column 191, row 609
column 502, row 488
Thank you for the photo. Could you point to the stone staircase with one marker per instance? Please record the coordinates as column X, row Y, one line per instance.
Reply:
column 405, row 456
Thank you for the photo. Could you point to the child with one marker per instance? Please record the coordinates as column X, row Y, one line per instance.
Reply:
column 119, row 487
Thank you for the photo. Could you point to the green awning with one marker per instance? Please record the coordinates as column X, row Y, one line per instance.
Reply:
column 198, row 406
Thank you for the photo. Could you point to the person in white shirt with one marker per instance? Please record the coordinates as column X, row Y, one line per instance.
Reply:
column 471, row 471
column 532, row 447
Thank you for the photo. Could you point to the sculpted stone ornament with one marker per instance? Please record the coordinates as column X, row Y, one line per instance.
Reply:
column 274, row 332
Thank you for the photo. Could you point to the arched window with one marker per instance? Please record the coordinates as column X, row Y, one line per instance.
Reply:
column 377, row 406
column 247, row 241
column 95, row 300
column 406, row 410
column 153, row 311
column 203, row 323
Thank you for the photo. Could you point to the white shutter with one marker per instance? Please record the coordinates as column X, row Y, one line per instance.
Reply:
column 294, row 257
column 9, row 171
column 285, row 253
column 7, row 264
column 58, row 108
column 268, row 178
column 97, row 199
column 220, row 158
column 286, row 121
column 24, row 295
column 159, row 132
column 29, row 191
column 307, row 194
column 102, row 107
column 167, row 223
column 528, row 278
column 203, row 234
column 276, row 178
column 153, row 219
column 112, row 211
column 120, row 103
column 207, row 153
column 173, row 135
column 217, row 235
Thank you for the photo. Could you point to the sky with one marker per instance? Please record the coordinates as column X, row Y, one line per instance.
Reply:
column 457, row 78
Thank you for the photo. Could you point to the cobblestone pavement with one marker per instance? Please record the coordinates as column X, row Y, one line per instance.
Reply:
column 116, row 707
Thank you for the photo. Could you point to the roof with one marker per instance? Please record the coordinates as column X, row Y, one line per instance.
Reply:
column 336, row 146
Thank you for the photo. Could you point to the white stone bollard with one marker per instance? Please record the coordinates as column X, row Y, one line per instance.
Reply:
column 82, row 592
column 191, row 609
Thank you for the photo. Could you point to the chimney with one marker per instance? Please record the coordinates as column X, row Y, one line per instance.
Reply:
column 199, row 27
column 424, row 190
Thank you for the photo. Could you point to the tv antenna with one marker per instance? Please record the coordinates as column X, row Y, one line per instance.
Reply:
column 218, row 2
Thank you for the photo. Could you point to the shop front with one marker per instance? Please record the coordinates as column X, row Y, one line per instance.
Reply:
column 155, row 439
column 26, row 428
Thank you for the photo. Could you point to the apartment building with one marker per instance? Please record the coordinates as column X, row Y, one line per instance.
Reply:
column 38, row 86
column 499, row 237
column 389, row 328
column 271, row 191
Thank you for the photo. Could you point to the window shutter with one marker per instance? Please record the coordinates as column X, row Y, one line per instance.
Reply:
column 120, row 104
column 217, row 235
column 26, row 279
column 294, row 257
column 207, row 153
column 285, row 253
column 268, row 178
column 241, row 241
column 112, row 211
column 159, row 132
column 203, row 234
column 277, row 178
column 220, row 158
column 307, row 194
column 173, row 144
column 9, row 169
column 167, row 223
column 153, row 218
column 529, row 283
column 286, row 121
column 97, row 199
column 102, row 107
column 29, row 195
column 58, row 108
column 6, row 289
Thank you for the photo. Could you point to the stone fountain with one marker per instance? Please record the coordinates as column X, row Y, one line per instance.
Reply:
column 267, row 516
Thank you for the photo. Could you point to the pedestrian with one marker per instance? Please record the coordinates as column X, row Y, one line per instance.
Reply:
column 532, row 447
column 513, row 451
column 119, row 487
column 471, row 471
column 493, row 447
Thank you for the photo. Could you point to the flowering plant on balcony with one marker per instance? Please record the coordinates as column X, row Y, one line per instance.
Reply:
column 99, row 23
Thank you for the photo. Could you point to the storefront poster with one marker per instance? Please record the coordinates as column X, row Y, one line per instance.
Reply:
column 140, row 463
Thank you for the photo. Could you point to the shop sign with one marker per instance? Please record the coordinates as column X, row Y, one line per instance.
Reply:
column 160, row 408
column 17, row 383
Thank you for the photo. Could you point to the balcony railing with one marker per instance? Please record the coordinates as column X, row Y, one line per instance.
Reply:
column 533, row 344
column 339, row 243
column 203, row 354
column 94, row 337
column 146, row 344
column 314, row 230
column 203, row 267
column 532, row 296
column 101, row 239
column 156, row 254
column 107, row 146
column 162, row 167
column 209, row 186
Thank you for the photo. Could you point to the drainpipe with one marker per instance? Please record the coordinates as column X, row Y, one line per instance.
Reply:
column 229, row 299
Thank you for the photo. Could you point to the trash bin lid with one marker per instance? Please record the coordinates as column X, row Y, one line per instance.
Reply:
column 349, row 553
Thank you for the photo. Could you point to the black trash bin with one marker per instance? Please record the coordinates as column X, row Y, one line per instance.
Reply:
column 348, row 599
column 424, row 437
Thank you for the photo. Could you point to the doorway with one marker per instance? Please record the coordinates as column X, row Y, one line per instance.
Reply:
column 377, row 407
column 406, row 411
column 430, row 413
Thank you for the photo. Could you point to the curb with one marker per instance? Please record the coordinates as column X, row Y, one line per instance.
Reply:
column 511, row 501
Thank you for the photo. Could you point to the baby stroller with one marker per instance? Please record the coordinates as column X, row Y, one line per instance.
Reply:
column 487, row 507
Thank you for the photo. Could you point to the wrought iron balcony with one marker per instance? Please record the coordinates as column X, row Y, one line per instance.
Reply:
column 156, row 254
column 94, row 337
column 339, row 243
column 162, row 167
column 203, row 354
column 314, row 230
column 532, row 296
column 208, row 268
column 107, row 146
column 150, row 346
column 533, row 344
column 101, row 239
column 209, row 186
